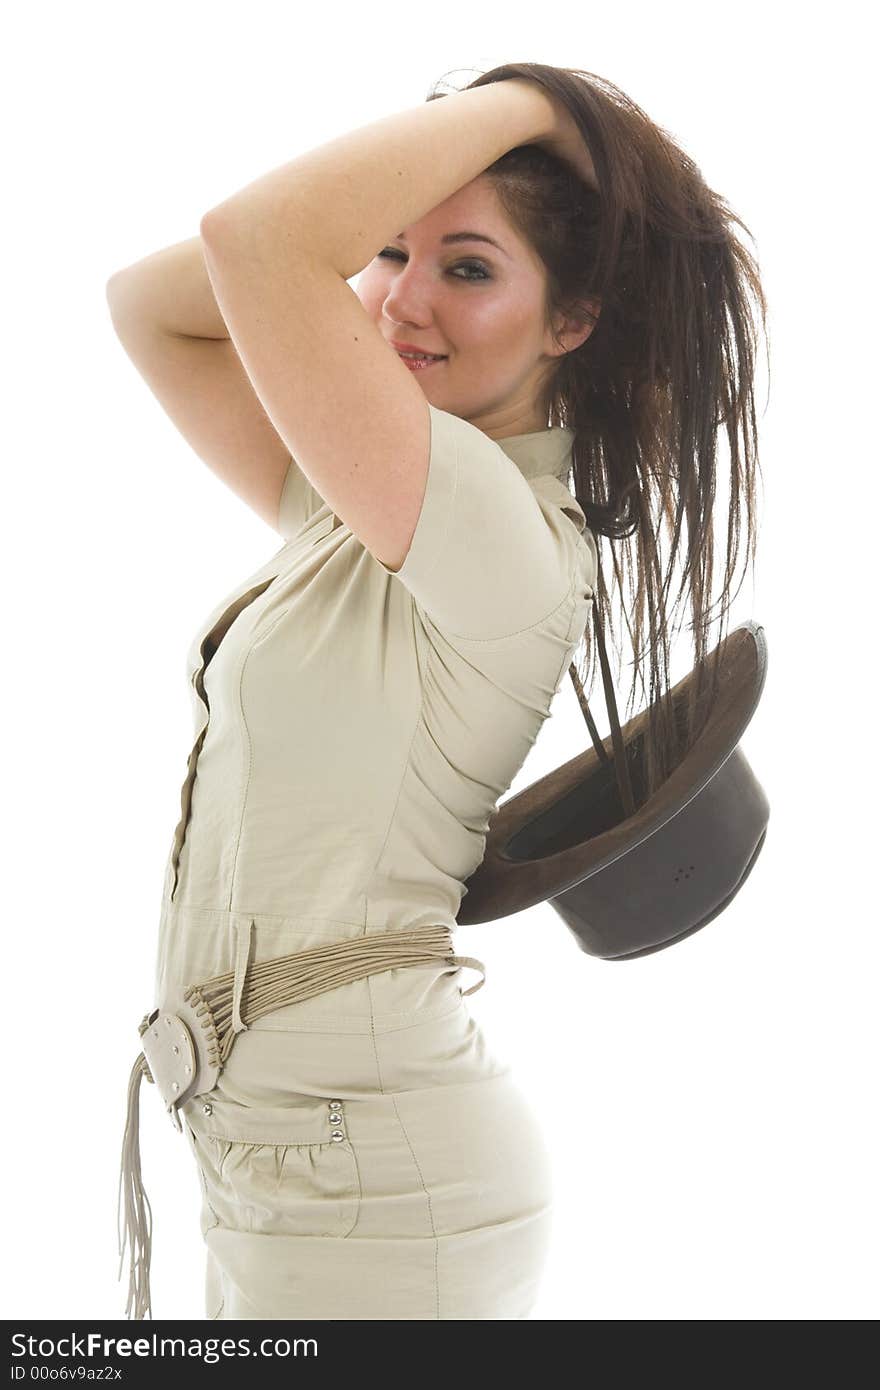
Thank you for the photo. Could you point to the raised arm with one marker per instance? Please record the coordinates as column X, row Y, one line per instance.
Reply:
column 280, row 253
column 165, row 315
column 341, row 203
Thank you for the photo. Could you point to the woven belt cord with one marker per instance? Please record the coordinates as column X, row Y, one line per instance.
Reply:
column 227, row 1004
column 272, row 984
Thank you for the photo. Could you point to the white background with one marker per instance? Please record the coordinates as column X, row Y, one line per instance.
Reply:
column 712, row 1108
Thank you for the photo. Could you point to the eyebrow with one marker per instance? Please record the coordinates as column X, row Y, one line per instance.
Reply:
column 452, row 237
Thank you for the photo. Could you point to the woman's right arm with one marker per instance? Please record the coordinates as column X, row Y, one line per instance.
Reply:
column 166, row 317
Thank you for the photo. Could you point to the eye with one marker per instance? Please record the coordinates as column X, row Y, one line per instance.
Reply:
column 481, row 271
column 391, row 254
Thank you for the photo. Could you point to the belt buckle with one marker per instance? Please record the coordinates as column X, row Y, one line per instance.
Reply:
column 181, row 1058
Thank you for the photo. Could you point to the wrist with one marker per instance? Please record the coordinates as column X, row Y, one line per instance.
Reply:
column 543, row 111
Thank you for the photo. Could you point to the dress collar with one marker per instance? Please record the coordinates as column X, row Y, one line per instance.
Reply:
column 541, row 452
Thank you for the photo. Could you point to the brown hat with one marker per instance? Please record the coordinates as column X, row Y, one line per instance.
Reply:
column 629, row 881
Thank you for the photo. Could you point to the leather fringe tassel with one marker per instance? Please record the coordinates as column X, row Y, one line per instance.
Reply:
column 138, row 1233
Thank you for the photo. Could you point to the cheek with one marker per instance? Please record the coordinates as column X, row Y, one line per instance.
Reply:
column 500, row 326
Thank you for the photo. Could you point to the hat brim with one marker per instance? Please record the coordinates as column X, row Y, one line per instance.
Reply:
column 569, row 825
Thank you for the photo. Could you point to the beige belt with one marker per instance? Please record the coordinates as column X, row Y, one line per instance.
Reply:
column 186, row 1044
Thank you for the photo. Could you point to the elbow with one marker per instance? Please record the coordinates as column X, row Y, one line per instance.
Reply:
column 216, row 224
column 225, row 239
column 244, row 231
column 208, row 224
column 113, row 293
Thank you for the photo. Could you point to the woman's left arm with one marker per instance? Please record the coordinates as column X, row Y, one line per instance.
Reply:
column 342, row 202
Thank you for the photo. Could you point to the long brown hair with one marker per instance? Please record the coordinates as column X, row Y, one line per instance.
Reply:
column 669, row 360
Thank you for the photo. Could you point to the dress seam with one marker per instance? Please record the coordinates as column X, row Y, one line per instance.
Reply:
column 246, row 781
column 430, row 1208
column 459, row 637
column 423, row 682
column 402, row 1021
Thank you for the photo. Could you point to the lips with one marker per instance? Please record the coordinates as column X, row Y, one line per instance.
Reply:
column 410, row 349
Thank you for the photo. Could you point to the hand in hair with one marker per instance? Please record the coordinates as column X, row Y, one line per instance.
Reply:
column 565, row 140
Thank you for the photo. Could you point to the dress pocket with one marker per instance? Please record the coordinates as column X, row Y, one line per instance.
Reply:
column 275, row 1170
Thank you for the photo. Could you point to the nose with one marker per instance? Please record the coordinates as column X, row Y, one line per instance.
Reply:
column 408, row 301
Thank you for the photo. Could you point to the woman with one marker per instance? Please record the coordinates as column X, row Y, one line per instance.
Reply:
column 366, row 697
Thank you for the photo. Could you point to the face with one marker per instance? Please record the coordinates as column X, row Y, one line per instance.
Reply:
column 480, row 305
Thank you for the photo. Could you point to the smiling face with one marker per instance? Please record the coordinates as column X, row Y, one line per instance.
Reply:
column 481, row 305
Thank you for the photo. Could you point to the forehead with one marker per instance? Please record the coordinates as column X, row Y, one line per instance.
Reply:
column 474, row 209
